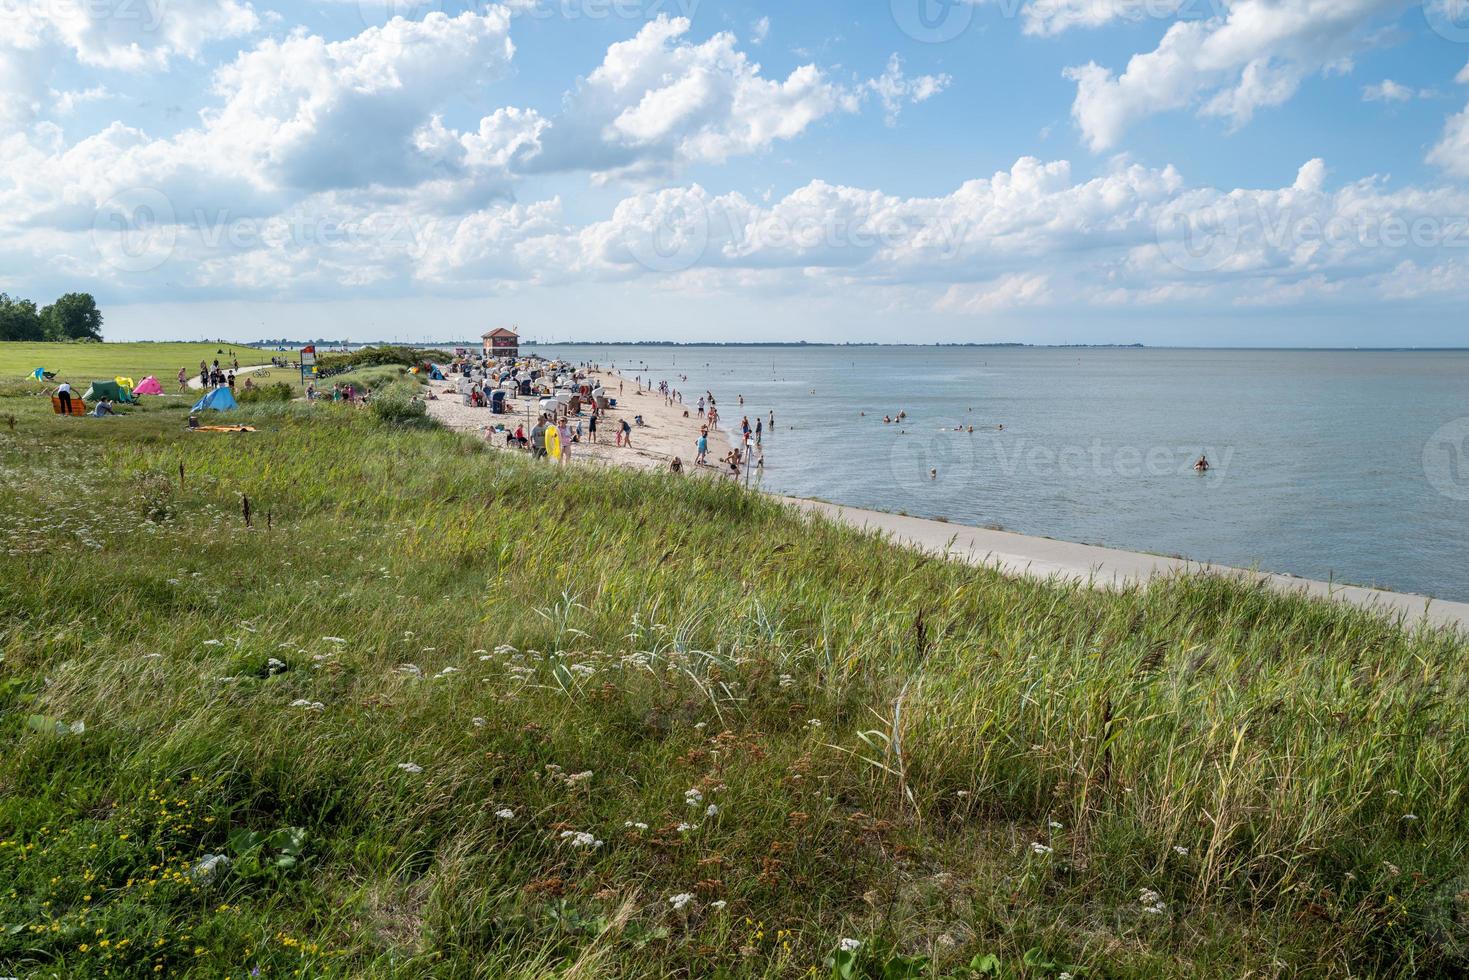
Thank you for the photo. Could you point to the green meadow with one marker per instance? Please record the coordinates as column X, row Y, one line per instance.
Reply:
column 81, row 363
column 352, row 696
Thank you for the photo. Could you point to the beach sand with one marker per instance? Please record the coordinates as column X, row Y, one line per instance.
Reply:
column 664, row 434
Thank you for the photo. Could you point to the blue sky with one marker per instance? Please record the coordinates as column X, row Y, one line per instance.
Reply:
column 1291, row 172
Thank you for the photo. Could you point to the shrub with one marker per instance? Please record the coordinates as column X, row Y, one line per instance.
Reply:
column 397, row 404
column 275, row 391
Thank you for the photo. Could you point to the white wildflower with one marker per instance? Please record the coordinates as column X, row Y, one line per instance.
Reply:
column 1040, row 848
column 214, row 643
column 479, row 723
column 1151, row 901
column 638, row 825
column 684, row 828
column 308, row 705
column 274, row 666
column 813, row 723
column 505, row 813
column 711, row 810
column 580, row 838
column 1055, row 825
column 1179, row 850
column 1410, row 816
column 718, row 904
column 680, row 900
column 849, row 945
column 410, row 767
column 693, row 797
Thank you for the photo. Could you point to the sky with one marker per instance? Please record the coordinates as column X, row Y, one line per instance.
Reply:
column 1189, row 172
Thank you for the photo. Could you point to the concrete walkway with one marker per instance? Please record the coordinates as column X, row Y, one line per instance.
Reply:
column 196, row 386
column 1044, row 558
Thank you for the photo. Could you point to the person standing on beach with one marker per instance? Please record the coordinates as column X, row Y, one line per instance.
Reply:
column 701, row 406
column 702, row 456
column 592, row 427
column 626, row 434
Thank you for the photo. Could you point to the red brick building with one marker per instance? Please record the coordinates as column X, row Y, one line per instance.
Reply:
column 502, row 343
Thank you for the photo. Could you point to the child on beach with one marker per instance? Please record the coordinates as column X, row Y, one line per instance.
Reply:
column 702, row 456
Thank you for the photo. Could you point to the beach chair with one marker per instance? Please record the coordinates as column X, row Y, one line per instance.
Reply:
column 78, row 406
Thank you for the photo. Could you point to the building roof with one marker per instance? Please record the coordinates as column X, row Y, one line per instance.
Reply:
column 499, row 332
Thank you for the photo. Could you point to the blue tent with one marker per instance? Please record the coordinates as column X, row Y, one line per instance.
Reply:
column 219, row 399
column 435, row 372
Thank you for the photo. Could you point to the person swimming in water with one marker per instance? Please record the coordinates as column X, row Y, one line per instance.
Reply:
column 1202, row 464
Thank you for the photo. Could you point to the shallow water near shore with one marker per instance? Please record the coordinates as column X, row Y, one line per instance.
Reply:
column 1345, row 465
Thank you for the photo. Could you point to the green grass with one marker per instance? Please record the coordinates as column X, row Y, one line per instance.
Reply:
column 83, row 363
column 939, row 761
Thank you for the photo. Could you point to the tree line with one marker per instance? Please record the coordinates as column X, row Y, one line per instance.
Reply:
column 72, row 317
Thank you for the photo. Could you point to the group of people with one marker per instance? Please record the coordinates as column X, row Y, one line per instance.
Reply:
column 212, row 376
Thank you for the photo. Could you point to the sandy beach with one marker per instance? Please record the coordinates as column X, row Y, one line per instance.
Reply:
column 664, row 434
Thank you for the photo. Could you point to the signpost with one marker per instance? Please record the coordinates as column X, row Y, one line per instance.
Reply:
column 308, row 361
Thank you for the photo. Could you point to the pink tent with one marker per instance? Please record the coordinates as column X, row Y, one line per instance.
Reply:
column 148, row 386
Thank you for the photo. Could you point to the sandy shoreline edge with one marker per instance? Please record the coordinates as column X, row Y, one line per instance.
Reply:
column 666, row 433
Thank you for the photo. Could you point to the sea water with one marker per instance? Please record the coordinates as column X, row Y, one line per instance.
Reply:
column 1342, row 465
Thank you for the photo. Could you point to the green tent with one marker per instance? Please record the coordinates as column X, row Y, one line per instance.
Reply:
column 110, row 390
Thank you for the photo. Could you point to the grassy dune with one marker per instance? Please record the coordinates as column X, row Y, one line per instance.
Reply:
column 441, row 712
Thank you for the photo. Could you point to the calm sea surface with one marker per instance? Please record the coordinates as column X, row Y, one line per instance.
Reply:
column 1328, row 464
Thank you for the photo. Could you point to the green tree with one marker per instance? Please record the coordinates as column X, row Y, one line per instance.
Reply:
column 73, row 317
column 19, row 319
